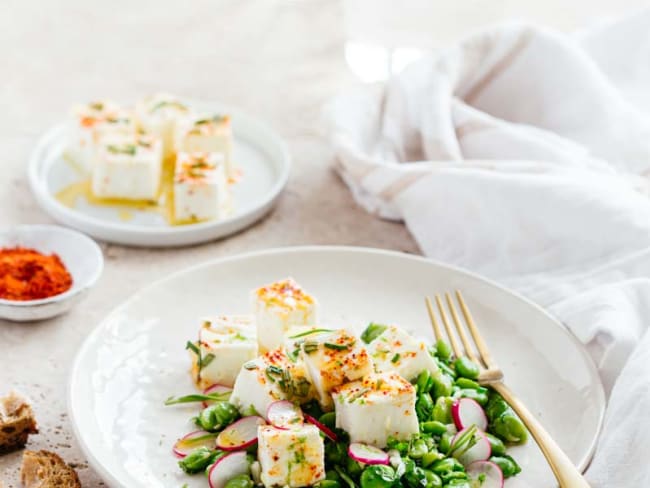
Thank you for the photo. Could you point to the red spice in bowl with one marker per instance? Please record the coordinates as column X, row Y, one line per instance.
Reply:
column 26, row 274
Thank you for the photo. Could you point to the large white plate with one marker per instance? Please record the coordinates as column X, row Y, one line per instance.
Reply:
column 135, row 358
column 260, row 153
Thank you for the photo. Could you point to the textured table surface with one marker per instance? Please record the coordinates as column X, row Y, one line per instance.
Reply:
column 277, row 59
column 56, row 54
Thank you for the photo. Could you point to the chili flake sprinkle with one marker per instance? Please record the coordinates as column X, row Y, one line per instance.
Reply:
column 26, row 274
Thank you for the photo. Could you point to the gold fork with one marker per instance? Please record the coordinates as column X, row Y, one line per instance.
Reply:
column 565, row 472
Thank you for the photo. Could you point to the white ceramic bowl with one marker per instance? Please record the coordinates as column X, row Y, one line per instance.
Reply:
column 80, row 254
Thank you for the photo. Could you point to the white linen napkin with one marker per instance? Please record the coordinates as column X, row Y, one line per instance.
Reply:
column 524, row 154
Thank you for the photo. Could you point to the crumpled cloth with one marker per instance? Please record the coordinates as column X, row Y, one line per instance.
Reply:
column 524, row 154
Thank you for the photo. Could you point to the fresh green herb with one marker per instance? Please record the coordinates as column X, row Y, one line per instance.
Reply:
column 197, row 397
column 309, row 332
column 216, row 119
column 338, row 347
column 310, row 347
column 167, row 103
column 129, row 149
column 395, row 358
column 372, row 332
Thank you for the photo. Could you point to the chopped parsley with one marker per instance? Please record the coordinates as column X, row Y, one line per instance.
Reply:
column 129, row 149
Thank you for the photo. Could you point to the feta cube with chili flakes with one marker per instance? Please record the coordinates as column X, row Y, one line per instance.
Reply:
column 127, row 167
column 159, row 114
column 333, row 358
column 207, row 133
column 89, row 123
column 278, row 307
column 379, row 406
column 396, row 350
column 201, row 191
column 225, row 344
column 290, row 457
column 268, row 378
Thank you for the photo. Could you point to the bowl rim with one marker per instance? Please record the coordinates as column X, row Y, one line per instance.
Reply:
column 76, row 287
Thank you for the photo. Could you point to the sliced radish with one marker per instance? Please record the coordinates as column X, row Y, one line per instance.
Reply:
column 240, row 434
column 367, row 454
column 481, row 451
column 284, row 415
column 193, row 440
column 226, row 468
column 486, row 473
column 467, row 412
column 215, row 389
column 323, row 428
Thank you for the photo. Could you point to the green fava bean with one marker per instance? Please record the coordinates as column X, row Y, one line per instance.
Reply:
column 480, row 395
column 450, row 476
column 424, row 407
column 445, row 443
column 353, row 467
column 240, row 481
column 198, row 460
column 433, row 480
column 430, row 457
column 466, row 368
column 497, row 445
column 443, row 351
column 325, row 484
column 418, row 449
column 467, row 383
column 442, row 385
column 217, row 416
column 458, row 484
column 422, row 381
column 434, row 427
column 442, row 410
column 508, row 465
column 446, row 465
column 378, row 476
column 509, row 428
column 328, row 419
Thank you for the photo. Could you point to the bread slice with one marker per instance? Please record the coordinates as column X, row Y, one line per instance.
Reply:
column 45, row 469
column 16, row 422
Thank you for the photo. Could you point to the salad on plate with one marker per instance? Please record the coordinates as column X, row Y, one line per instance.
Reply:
column 286, row 402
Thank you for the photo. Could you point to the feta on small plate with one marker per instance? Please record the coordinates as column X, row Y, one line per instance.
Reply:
column 89, row 123
column 395, row 350
column 291, row 457
column 207, row 133
column 278, row 307
column 379, row 406
column 333, row 358
column 225, row 344
column 127, row 167
column 160, row 114
column 201, row 191
column 268, row 378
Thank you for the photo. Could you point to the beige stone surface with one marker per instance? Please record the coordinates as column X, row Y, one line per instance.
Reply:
column 276, row 59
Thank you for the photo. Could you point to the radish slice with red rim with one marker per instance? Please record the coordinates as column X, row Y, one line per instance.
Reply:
column 367, row 454
column 240, row 434
column 486, row 473
column 226, row 468
column 323, row 428
column 480, row 451
column 193, row 440
column 467, row 412
column 284, row 415
column 215, row 389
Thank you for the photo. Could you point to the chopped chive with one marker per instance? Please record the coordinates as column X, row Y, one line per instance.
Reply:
column 337, row 347
column 309, row 332
column 395, row 358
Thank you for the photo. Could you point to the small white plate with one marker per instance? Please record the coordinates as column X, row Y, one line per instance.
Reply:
column 258, row 151
column 135, row 359
column 80, row 254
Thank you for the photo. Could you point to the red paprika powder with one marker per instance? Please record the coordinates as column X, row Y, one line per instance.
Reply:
column 26, row 274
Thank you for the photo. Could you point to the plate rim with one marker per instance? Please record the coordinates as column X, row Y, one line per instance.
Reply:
column 111, row 480
column 90, row 225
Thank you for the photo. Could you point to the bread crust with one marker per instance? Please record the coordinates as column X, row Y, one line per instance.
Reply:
column 17, row 422
column 45, row 469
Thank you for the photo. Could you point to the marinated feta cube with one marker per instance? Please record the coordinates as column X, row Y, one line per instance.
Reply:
column 200, row 188
column 278, row 307
column 333, row 358
column 89, row 123
column 293, row 457
column 207, row 133
column 395, row 350
column 267, row 378
column 379, row 406
column 160, row 114
column 127, row 167
column 225, row 344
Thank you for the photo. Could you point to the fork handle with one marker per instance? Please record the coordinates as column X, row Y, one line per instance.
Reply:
column 565, row 471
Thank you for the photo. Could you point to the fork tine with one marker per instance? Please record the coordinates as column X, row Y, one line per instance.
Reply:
column 450, row 333
column 434, row 322
column 469, row 350
column 478, row 339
